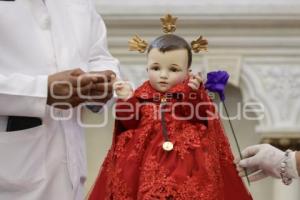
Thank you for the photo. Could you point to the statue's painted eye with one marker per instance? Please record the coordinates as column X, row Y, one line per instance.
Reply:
column 155, row 68
column 174, row 69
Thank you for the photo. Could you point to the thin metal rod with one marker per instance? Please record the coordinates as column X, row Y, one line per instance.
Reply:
column 236, row 141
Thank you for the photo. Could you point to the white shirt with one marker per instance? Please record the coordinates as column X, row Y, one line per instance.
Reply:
column 46, row 162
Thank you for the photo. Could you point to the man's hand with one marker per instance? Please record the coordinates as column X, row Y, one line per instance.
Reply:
column 264, row 160
column 102, row 89
column 64, row 87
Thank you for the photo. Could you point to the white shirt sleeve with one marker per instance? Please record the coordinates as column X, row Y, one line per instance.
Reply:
column 99, row 57
column 23, row 95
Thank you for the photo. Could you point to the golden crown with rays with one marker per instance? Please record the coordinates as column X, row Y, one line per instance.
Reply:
column 168, row 23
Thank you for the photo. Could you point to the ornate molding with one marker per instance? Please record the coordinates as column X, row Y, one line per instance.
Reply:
column 235, row 36
column 283, row 142
column 274, row 82
column 231, row 64
column 223, row 9
column 258, row 42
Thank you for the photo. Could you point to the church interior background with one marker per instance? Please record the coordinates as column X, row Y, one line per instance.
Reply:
column 256, row 41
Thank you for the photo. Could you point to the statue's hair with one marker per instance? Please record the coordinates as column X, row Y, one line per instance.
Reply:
column 171, row 42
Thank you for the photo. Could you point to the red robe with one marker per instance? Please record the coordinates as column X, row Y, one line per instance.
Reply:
column 200, row 167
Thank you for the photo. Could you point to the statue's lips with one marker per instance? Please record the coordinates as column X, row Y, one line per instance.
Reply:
column 162, row 83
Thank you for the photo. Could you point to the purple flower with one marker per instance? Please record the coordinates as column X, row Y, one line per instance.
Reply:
column 216, row 82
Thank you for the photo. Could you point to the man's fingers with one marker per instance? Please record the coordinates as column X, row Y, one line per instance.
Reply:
column 69, row 103
column 103, row 87
column 100, row 93
column 100, row 77
column 83, row 90
column 83, row 80
column 236, row 160
column 250, row 151
column 250, row 160
column 242, row 171
column 80, row 78
column 109, row 73
column 76, row 72
column 76, row 100
column 104, row 76
column 257, row 176
column 113, row 77
column 248, row 163
column 79, row 81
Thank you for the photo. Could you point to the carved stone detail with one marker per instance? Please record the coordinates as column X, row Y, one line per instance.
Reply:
column 275, row 83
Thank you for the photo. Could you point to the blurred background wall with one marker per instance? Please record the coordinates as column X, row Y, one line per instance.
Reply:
column 256, row 41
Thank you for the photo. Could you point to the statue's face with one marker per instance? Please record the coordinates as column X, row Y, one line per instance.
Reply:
column 167, row 69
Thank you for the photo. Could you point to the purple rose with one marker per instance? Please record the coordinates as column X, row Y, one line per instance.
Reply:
column 216, row 82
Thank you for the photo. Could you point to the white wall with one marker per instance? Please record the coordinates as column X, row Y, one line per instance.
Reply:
column 245, row 133
column 98, row 142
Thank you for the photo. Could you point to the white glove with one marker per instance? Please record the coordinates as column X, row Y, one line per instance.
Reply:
column 264, row 160
column 123, row 89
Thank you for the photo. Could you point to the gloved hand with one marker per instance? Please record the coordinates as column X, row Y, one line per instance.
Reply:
column 264, row 160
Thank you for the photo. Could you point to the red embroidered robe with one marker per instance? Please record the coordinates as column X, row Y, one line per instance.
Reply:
column 200, row 167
